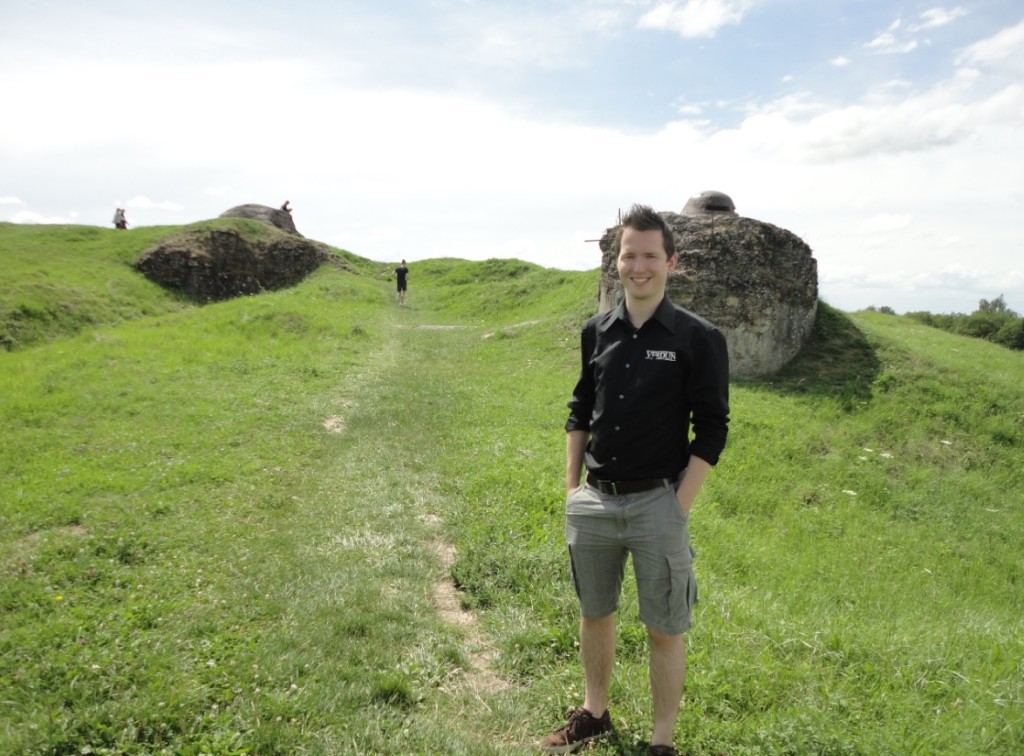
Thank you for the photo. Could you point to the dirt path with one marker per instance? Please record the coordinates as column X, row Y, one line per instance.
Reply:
column 382, row 411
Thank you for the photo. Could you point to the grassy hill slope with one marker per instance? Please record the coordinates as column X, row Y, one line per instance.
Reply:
column 58, row 280
column 237, row 528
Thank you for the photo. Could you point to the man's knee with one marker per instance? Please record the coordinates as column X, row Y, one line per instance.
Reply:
column 664, row 640
column 596, row 622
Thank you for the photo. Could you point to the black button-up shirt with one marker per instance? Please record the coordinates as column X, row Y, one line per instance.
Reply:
column 640, row 389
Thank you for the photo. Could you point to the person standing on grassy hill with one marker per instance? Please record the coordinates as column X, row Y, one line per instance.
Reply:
column 402, row 274
column 650, row 370
column 120, row 221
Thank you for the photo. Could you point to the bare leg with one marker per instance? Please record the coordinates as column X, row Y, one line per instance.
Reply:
column 597, row 646
column 668, row 675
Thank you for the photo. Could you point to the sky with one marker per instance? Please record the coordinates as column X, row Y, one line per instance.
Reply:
column 888, row 135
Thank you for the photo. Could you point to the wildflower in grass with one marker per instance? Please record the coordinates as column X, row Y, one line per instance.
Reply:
column 947, row 443
column 58, row 597
column 849, row 493
column 886, row 455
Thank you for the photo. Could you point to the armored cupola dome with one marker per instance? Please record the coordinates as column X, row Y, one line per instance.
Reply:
column 706, row 203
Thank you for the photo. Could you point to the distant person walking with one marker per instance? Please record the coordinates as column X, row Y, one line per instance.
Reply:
column 650, row 371
column 402, row 275
column 119, row 220
column 287, row 206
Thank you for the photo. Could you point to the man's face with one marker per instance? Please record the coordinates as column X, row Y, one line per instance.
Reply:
column 643, row 265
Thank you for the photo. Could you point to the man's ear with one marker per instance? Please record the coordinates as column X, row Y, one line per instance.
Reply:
column 672, row 262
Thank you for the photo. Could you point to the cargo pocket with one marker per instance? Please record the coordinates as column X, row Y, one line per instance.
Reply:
column 572, row 574
column 684, row 589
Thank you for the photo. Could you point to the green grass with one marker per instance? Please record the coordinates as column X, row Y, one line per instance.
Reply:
column 60, row 280
column 222, row 527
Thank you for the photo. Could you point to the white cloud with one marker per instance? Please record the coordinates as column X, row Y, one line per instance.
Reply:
column 216, row 191
column 695, row 18
column 30, row 217
column 899, row 39
column 690, row 110
column 520, row 37
column 960, row 277
column 840, row 61
column 935, row 17
column 607, row 21
column 1006, row 48
column 950, row 112
column 889, row 43
column 144, row 118
column 952, row 288
column 884, row 222
column 533, row 42
column 145, row 203
column 10, row 201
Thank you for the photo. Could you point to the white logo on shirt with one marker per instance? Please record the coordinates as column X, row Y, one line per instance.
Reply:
column 654, row 354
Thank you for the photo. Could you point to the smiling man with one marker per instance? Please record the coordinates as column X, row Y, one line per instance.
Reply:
column 650, row 371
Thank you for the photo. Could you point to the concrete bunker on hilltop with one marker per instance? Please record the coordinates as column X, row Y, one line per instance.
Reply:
column 279, row 218
column 757, row 282
column 213, row 262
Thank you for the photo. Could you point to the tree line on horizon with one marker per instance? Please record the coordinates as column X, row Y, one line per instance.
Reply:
column 992, row 321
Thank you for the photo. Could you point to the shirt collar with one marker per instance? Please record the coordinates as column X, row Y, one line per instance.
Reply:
column 665, row 314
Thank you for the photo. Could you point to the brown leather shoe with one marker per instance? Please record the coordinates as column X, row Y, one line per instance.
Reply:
column 581, row 727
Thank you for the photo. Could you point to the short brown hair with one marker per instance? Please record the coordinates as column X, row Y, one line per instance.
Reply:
column 644, row 218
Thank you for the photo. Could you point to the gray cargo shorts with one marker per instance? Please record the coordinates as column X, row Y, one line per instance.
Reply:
column 603, row 529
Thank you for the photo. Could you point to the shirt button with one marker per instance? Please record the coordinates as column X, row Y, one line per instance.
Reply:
column 616, row 427
column 615, row 459
column 627, row 364
column 634, row 335
column 622, row 396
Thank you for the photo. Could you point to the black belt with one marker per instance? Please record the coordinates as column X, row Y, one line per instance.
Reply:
column 620, row 487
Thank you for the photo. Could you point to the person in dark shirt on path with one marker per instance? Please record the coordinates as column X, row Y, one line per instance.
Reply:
column 402, row 274
column 650, row 371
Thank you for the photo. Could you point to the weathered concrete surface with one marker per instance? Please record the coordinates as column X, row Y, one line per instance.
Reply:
column 272, row 216
column 757, row 282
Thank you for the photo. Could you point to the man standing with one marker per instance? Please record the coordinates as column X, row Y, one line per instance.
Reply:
column 402, row 274
column 650, row 370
